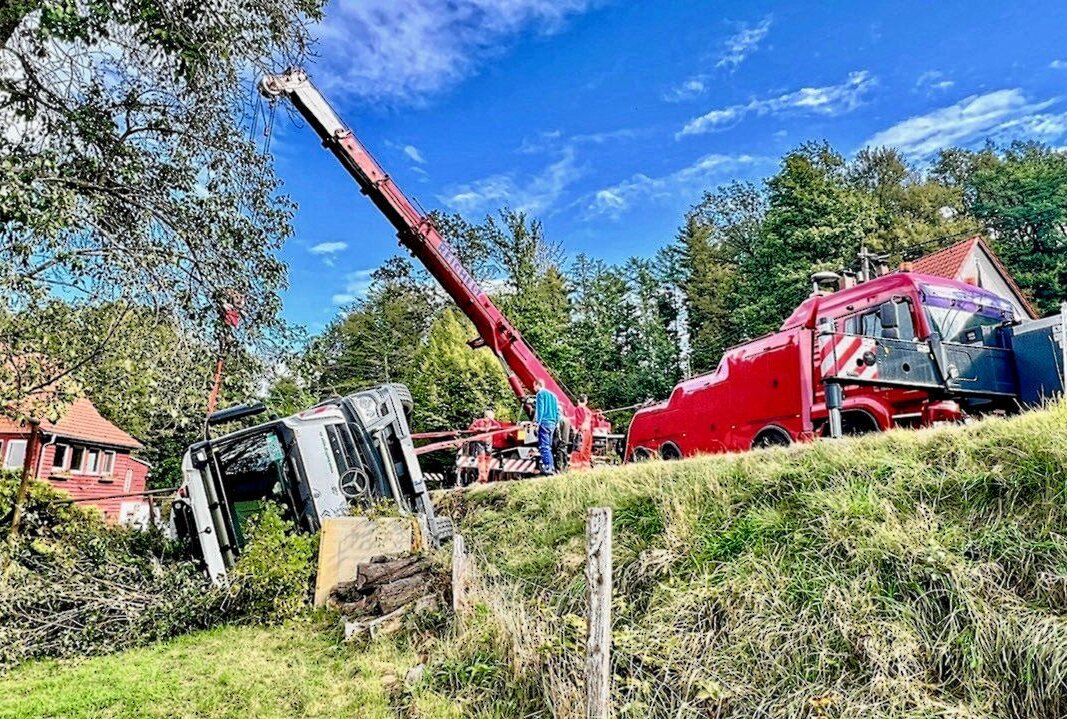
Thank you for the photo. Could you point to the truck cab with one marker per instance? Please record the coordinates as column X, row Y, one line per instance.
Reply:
column 334, row 459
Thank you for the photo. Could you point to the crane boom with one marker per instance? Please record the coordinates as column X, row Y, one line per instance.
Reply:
column 418, row 234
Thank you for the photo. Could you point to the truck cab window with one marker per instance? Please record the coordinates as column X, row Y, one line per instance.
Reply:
column 869, row 324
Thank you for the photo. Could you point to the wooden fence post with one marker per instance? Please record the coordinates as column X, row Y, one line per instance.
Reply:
column 459, row 576
column 598, row 596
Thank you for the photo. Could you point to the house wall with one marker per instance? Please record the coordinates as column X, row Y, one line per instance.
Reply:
column 127, row 477
column 978, row 269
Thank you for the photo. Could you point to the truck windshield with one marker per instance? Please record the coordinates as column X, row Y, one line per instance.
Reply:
column 959, row 315
column 253, row 471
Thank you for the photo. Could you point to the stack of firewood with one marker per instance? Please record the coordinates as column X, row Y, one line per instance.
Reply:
column 384, row 590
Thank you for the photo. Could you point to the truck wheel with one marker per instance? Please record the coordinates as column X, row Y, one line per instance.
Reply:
column 669, row 451
column 857, row 422
column 446, row 529
column 642, row 454
column 771, row 437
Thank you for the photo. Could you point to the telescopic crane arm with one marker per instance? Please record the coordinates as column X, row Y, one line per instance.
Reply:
column 418, row 234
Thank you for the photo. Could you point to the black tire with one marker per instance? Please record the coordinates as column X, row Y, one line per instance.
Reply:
column 446, row 529
column 857, row 423
column 642, row 454
column 771, row 437
column 670, row 452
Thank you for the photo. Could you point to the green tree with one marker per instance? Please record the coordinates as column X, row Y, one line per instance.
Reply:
column 126, row 172
column 1020, row 194
column 912, row 210
column 453, row 384
column 815, row 221
column 377, row 340
column 721, row 234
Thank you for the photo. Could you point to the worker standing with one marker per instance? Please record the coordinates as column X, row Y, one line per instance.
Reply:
column 482, row 449
column 546, row 415
column 583, row 422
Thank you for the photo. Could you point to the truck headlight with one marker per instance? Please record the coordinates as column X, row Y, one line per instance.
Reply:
column 367, row 408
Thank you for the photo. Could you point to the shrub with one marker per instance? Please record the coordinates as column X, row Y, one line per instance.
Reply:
column 272, row 578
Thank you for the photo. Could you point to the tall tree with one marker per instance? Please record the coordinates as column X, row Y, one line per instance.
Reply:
column 453, row 384
column 377, row 340
column 1020, row 194
column 126, row 172
column 721, row 234
column 816, row 221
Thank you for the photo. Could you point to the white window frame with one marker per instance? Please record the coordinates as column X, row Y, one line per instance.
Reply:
column 96, row 464
column 66, row 457
column 107, row 456
column 7, row 453
column 70, row 462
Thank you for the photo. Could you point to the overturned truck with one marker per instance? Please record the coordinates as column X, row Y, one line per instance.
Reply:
column 339, row 458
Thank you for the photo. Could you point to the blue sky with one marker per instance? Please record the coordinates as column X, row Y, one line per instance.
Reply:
column 607, row 119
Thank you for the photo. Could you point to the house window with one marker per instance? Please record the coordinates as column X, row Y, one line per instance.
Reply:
column 15, row 456
column 92, row 462
column 107, row 463
column 61, row 457
column 77, row 456
column 128, row 484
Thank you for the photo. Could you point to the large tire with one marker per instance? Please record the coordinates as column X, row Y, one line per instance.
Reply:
column 446, row 529
column 561, row 445
column 771, row 437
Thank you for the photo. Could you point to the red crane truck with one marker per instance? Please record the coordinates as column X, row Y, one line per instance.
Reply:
column 902, row 350
column 512, row 449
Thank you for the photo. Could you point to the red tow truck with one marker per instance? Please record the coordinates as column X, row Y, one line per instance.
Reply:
column 511, row 447
column 901, row 350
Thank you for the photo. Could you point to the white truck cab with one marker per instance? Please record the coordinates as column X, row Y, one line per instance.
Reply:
column 332, row 460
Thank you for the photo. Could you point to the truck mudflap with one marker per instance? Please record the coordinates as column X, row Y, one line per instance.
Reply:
column 1040, row 350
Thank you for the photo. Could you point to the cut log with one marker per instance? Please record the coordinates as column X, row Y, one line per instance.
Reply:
column 396, row 594
column 383, row 586
column 378, row 574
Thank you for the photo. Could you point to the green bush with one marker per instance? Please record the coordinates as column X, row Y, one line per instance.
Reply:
column 72, row 585
column 272, row 578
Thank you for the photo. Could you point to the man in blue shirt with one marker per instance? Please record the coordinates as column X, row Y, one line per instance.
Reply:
column 546, row 415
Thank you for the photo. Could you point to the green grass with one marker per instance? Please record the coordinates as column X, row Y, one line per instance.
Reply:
column 296, row 670
column 912, row 574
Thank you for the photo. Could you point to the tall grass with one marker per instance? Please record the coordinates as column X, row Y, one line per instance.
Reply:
column 903, row 575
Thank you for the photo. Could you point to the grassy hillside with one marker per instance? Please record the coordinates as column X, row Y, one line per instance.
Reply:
column 904, row 575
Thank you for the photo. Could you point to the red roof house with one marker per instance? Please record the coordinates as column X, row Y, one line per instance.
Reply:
column 86, row 456
column 974, row 262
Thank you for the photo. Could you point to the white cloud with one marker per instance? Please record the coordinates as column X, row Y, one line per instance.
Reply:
column 744, row 43
column 535, row 195
column 735, row 50
column 402, row 51
column 1058, row 64
column 413, row 153
column 830, row 100
column 356, row 285
column 933, row 80
column 977, row 116
column 692, row 88
column 328, row 248
column 707, row 171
